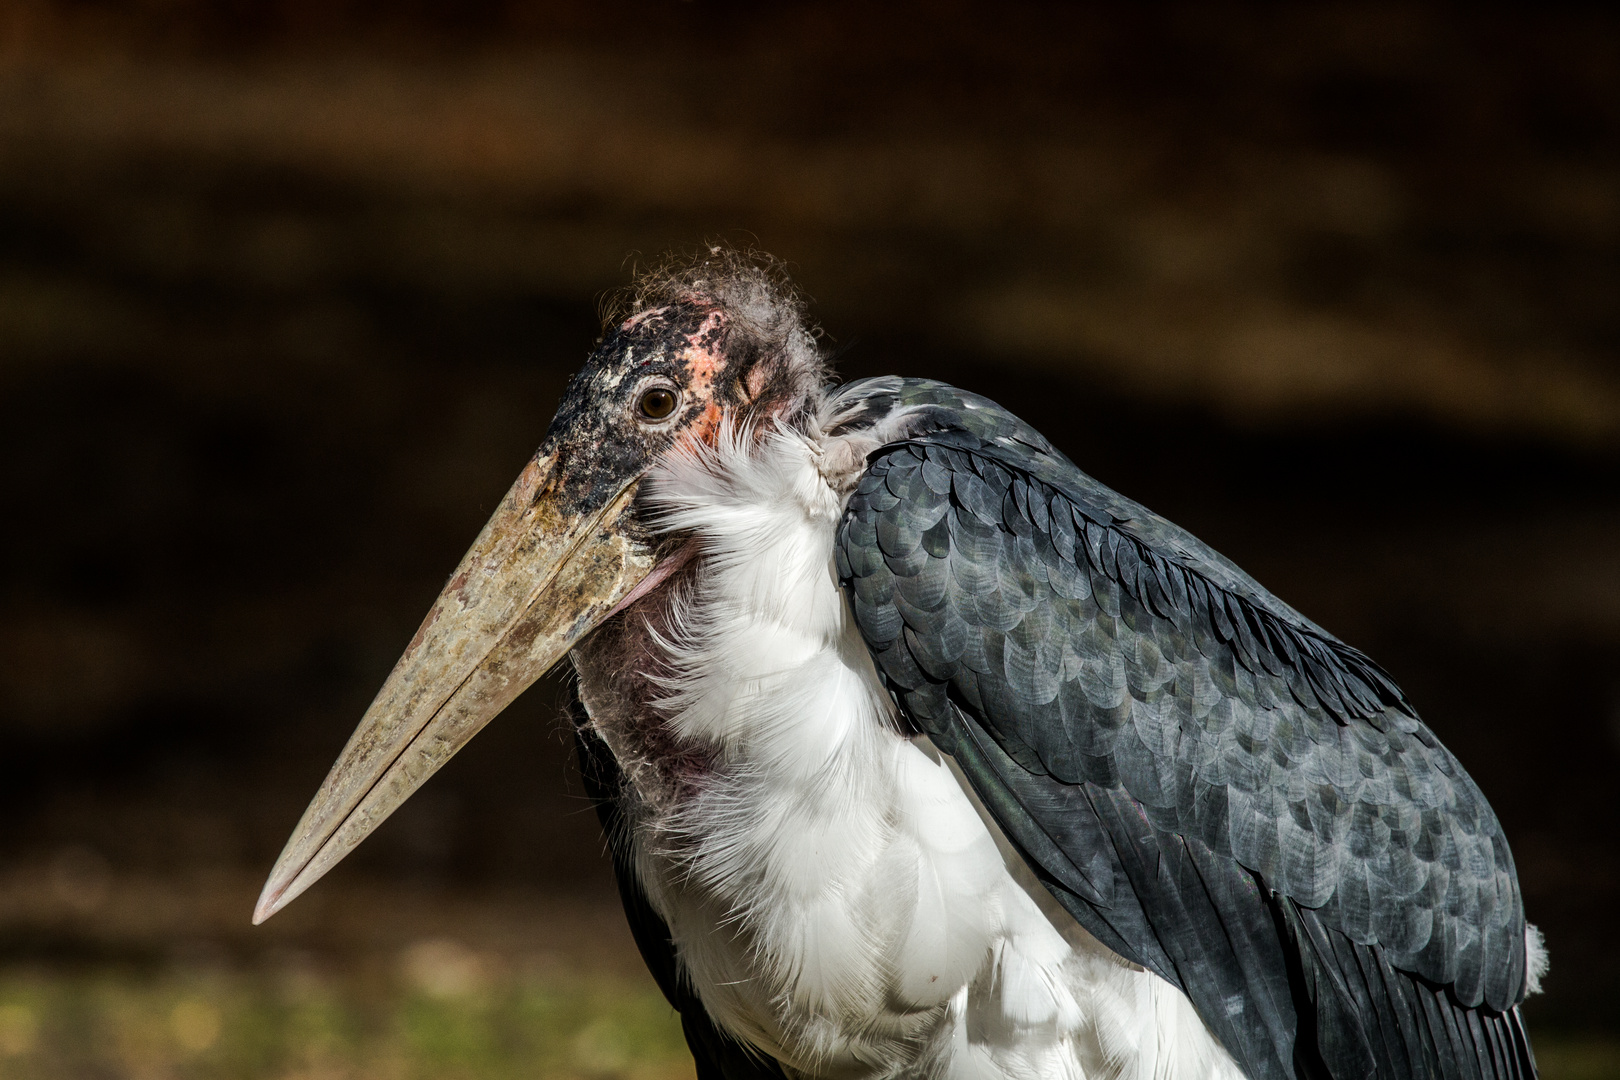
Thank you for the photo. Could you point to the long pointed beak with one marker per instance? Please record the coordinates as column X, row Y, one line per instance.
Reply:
column 537, row 579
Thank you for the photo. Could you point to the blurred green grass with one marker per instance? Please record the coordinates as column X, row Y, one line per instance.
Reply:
column 437, row 1017
column 442, row 1021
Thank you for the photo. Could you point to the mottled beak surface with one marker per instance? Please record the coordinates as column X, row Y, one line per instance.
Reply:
column 540, row 576
column 564, row 549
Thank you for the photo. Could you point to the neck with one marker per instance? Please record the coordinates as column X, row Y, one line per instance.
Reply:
column 713, row 666
column 758, row 837
column 833, row 894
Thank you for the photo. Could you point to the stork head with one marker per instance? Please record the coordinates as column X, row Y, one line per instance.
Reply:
column 699, row 344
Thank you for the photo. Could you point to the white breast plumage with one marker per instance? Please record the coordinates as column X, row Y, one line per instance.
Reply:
column 837, row 897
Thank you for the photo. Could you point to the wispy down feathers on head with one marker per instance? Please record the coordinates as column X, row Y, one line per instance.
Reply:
column 765, row 321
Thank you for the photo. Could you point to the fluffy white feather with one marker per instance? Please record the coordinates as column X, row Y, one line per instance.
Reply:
column 1535, row 957
column 838, row 897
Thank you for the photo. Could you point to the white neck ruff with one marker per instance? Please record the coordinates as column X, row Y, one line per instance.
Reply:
column 837, row 896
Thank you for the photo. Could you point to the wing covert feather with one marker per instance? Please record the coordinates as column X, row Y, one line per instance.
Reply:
column 1112, row 686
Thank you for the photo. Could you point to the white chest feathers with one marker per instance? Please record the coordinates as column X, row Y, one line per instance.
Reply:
column 836, row 895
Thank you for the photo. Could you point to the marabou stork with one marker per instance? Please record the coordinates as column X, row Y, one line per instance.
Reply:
column 922, row 753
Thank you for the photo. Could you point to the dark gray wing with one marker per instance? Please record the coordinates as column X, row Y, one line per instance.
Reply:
column 1214, row 786
column 718, row 1056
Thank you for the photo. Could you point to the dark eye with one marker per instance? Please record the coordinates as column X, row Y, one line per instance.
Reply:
column 657, row 403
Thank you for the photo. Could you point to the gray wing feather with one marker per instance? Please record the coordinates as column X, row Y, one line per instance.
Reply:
column 1106, row 673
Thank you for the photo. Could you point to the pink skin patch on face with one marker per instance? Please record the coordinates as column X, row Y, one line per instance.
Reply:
column 707, row 425
column 700, row 356
column 704, row 362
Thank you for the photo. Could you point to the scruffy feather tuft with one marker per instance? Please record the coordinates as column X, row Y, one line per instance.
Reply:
column 1536, row 960
column 764, row 313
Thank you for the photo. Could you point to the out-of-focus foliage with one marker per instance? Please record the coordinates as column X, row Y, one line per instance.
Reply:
column 441, row 1020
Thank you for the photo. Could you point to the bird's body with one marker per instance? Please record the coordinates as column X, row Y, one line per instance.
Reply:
column 832, row 891
column 924, row 754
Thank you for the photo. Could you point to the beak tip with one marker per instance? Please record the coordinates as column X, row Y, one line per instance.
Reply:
column 271, row 901
column 525, row 592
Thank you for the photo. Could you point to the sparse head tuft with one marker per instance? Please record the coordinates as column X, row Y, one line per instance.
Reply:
column 695, row 345
column 763, row 317
column 751, row 285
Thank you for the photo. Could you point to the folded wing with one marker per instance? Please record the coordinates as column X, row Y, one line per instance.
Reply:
column 1214, row 786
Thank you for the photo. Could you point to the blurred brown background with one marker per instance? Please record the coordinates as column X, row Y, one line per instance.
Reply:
column 288, row 291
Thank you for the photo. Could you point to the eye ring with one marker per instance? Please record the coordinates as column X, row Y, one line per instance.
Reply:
column 658, row 402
